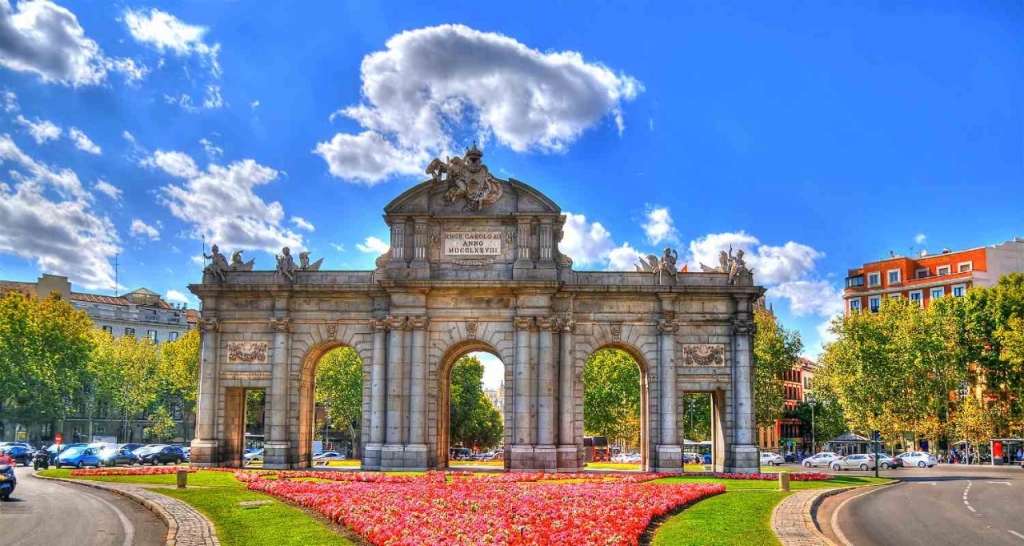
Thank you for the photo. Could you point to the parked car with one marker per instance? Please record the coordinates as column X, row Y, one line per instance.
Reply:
column 771, row 459
column 327, row 456
column 460, row 453
column 919, row 459
column 164, row 455
column 79, row 457
column 857, row 461
column 254, row 456
column 824, row 458
column 115, row 455
column 886, row 462
column 789, row 457
column 19, row 453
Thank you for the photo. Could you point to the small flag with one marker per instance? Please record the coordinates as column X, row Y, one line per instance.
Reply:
column 685, row 268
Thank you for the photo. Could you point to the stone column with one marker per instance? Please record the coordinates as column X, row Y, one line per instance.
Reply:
column 743, row 450
column 378, row 395
column 546, row 252
column 566, row 401
column 545, row 454
column 204, row 446
column 391, row 453
column 524, row 244
column 275, row 454
column 669, row 451
column 397, row 244
column 417, row 448
column 522, row 397
column 420, row 239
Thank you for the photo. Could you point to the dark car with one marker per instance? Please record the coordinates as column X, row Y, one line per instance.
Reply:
column 790, row 457
column 115, row 455
column 164, row 455
column 20, row 454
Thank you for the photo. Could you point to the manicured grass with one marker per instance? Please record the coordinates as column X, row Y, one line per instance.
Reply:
column 218, row 494
column 741, row 517
column 634, row 466
column 733, row 485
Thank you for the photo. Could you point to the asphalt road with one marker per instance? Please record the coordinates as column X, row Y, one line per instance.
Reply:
column 944, row 505
column 43, row 512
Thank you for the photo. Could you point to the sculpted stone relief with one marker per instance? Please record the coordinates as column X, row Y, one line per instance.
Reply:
column 466, row 178
column 219, row 266
column 734, row 266
column 704, row 355
column 247, row 352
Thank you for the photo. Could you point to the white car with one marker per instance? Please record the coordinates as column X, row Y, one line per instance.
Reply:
column 771, row 459
column 919, row 459
column 824, row 458
column 854, row 462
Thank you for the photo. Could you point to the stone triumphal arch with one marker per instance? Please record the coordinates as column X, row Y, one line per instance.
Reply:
column 474, row 265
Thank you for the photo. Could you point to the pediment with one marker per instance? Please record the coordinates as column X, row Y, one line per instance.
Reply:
column 429, row 198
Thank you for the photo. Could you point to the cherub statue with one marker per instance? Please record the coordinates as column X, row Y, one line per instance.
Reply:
column 286, row 264
column 304, row 260
column 218, row 264
column 236, row 260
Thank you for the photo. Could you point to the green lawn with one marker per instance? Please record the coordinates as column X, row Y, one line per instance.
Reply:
column 218, row 494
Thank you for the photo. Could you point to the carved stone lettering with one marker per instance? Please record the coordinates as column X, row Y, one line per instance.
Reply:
column 472, row 243
column 704, row 355
column 247, row 352
column 246, row 376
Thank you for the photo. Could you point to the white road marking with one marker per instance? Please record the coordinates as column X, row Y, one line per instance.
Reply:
column 129, row 529
column 1015, row 533
column 1004, row 483
column 835, row 514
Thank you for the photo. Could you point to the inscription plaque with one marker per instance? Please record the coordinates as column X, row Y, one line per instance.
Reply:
column 472, row 243
column 247, row 352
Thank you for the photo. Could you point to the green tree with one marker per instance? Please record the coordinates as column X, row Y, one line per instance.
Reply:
column 995, row 331
column 611, row 397
column 828, row 420
column 162, row 425
column 696, row 408
column 776, row 349
column 339, row 387
column 125, row 373
column 972, row 423
column 474, row 419
column 179, row 374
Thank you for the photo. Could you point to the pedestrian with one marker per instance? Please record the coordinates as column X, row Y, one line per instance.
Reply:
column 1020, row 454
column 5, row 459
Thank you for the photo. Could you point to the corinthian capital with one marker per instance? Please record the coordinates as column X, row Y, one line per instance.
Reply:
column 547, row 323
column 667, row 326
column 396, row 323
column 208, row 325
column 419, row 323
column 523, row 323
column 378, row 325
column 743, row 327
column 281, row 324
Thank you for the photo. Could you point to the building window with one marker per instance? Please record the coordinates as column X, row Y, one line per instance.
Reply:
column 916, row 297
column 942, row 270
column 938, row 293
column 964, row 267
column 874, row 302
column 109, row 329
column 874, row 279
column 129, row 332
column 173, row 336
column 921, row 273
column 959, row 290
column 894, row 276
column 151, row 335
column 855, row 305
column 856, row 281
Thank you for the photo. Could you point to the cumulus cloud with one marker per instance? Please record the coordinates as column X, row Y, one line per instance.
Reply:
column 176, row 296
column 589, row 244
column 302, row 223
column 430, row 81
column 82, row 142
column 659, row 226
column 59, row 231
column 373, row 244
column 772, row 264
column 141, row 229
column 920, row 238
column 168, row 34
column 46, row 39
column 809, row 297
column 108, row 189
column 221, row 203
column 40, row 130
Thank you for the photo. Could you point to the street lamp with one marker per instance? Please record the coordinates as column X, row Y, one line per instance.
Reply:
column 692, row 403
column 810, row 402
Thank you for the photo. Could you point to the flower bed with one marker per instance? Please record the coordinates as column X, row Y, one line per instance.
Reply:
column 454, row 508
column 767, row 476
column 140, row 471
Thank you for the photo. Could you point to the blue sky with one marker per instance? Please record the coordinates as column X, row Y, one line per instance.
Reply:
column 816, row 137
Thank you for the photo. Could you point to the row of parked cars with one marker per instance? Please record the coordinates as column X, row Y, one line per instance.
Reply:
column 866, row 461
column 102, row 454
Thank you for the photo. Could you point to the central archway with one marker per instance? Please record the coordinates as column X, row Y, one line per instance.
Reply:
column 307, row 403
column 444, row 391
column 644, row 400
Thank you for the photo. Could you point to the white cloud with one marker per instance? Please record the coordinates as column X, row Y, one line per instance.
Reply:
column 140, row 229
column 174, row 295
column 41, row 130
column 772, row 264
column 431, row 80
column 659, row 226
column 82, row 142
column 108, row 189
column 47, row 40
column 212, row 151
column 339, row 248
column 176, row 164
column 589, row 244
column 183, row 100
column 254, row 104
column 221, row 203
column 920, row 238
column 809, row 297
column 623, row 258
column 302, row 223
column 62, row 234
column 129, row 137
column 373, row 244
column 167, row 33
column 213, row 98
column 10, row 101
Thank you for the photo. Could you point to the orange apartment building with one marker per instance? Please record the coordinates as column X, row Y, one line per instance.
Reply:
column 788, row 434
column 925, row 277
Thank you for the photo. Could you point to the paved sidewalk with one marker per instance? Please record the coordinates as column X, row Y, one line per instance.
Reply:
column 185, row 525
column 793, row 522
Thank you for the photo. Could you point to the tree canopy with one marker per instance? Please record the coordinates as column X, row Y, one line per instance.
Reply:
column 339, row 386
column 474, row 419
column 611, row 397
column 776, row 350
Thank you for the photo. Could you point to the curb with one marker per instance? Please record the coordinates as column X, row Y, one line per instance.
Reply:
column 160, row 511
column 812, row 527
